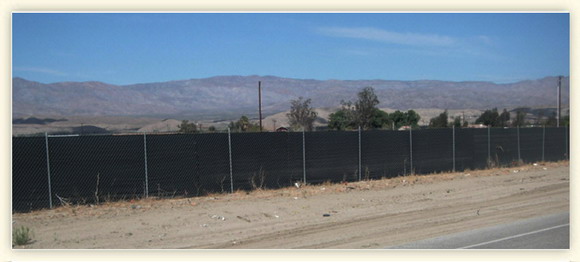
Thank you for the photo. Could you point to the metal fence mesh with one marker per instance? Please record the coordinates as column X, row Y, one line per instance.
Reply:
column 263, row 160
column 29, row 174
column 50, row 171
column 187, row 164
column 432, row 150
column 332, row 156
column 384, row 154
column 90, row 169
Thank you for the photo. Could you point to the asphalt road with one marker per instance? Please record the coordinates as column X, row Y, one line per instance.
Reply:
column 545, row 232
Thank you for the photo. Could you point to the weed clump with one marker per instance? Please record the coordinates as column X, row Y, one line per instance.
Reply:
column 21, row 236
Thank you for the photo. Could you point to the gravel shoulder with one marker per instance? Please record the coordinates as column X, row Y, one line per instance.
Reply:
column 361, row 215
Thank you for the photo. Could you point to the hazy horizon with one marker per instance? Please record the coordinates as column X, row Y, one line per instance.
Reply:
column 282, row 77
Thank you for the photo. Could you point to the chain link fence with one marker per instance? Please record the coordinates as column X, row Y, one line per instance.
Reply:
column 57, row 170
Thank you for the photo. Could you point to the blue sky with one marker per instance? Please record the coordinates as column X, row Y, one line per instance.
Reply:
column 120, row 48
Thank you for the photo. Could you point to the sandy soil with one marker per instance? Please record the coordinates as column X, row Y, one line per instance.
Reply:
column 366, row 214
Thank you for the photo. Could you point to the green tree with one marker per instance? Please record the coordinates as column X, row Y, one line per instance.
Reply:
column 243, row 124
column 519, row 120
column 301, row 114
column 340, row 120
column 412, row 118
column 488, row 118
column 457, row 122
column 503, row 119
column 409, row 118
column 366, row 107
column 186, row 127
column 211, row 129
column 398, row 118
column 439, row 121
column 363, row 113
column 380, row 119
column 345, row 119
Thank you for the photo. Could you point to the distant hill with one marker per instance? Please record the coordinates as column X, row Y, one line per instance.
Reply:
column 239, row 94
column 35, row 121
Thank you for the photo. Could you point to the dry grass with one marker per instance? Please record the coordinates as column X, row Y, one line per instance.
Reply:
column 304, row 191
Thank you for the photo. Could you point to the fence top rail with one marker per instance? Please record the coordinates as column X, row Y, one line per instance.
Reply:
column 268, row 132
column 63, row 135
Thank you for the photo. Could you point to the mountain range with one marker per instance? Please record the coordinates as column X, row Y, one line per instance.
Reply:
column 239, row 94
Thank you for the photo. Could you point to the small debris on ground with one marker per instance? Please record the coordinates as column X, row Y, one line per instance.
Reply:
column 243, row 218
column 326, row 215
column 218, row 217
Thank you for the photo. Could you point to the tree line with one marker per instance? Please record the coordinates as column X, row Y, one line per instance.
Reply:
column 362, row 113
column 365, row 114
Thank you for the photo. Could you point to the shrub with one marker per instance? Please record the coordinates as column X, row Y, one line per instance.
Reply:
column 21, row 236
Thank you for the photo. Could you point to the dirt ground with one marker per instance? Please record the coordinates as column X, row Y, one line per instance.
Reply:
column 366, row 214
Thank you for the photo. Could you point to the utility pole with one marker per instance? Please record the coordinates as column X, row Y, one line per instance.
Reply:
column 260, row 102
column 559, row 100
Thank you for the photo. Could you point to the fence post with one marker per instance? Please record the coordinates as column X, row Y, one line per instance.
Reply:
column 359, row 156
column 304, row 154
column 543, row 142
column 48, row 171
column 488, row 144
column 453, row 147
column 146, row 173
column 566, row 137
column 411, row 148
column 519, row 150
column 230, row 151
